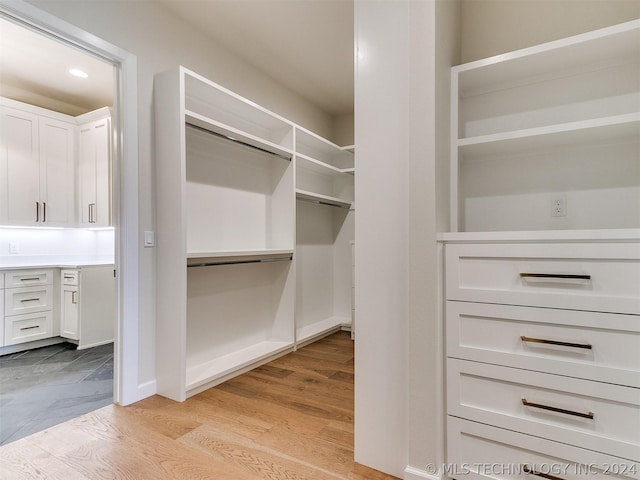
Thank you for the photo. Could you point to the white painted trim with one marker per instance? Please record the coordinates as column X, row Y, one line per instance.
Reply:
column 125, row 192
column 413, row 473
column 147, row 389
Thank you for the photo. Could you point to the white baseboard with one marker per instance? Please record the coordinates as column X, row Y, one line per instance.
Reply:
column 147, row 389
column 413, row 473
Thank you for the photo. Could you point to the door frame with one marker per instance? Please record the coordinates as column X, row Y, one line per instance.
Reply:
column 124, row 184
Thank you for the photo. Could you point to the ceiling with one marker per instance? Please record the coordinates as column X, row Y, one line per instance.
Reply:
column 35, row 69
column 306, row 45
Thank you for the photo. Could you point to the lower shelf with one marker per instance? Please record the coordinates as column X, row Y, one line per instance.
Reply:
column 217, row 368
column 308, row 332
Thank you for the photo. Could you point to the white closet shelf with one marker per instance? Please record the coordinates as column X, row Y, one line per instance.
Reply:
column 321, row 167
column 564, row 55
column 322, row 199
column 585, row 132
column 234, row 134
column 217, row 368
column 321, row 327
column 199, row 258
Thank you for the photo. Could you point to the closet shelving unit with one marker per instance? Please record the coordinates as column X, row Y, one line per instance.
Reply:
column 226, row 226
column 324, row 230
column 528, row 125
column 245, row 272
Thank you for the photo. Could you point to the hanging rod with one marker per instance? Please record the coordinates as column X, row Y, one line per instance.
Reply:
column 320, row 202
column 239, row 262
column 238, row 142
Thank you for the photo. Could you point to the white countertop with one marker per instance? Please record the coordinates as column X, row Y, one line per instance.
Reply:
column 54, row 261
column 604, row 235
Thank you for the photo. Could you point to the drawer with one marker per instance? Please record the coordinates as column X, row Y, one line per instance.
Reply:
column 69, row 277
column 595, row 277
column 28, row 278
column 28, row 300
column 593, row 415
column 476, row 451
column 28, row 327
column 597, row 346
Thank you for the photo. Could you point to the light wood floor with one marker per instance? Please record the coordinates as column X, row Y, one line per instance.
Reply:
column 291, row 419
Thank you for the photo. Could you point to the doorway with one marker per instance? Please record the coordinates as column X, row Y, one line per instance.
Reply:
column 124, row 185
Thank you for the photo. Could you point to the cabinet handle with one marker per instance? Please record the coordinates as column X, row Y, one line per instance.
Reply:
column 92, row 213
column 29, row 279
column 585, row 346
column 561, row 276
column 30, row 328
column 37, row 211
column 69, row 277
column 527, row 469
column 44, row 211
column 526, row 403
column 74, row 297
column 29, row 299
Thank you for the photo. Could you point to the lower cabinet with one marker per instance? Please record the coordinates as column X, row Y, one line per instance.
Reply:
column 28, row 306
column 543, row 358
column 87, row 300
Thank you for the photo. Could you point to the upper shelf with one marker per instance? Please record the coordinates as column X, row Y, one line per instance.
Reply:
column 314, row 147
column 320, row 167
column 566, row 55
column 321, row 199
column 584, row 132
column 210, row 100
column 237, row 256
column 236, row 135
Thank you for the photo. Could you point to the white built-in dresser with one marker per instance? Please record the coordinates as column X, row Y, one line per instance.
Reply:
column 541, row 276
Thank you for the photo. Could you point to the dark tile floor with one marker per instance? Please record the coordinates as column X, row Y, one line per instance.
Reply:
column 43, row 387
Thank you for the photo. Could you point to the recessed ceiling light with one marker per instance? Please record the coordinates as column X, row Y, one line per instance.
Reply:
column 78, row 73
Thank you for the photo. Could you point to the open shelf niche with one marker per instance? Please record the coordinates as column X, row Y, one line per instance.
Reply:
column 324, row 230
column 557, row 121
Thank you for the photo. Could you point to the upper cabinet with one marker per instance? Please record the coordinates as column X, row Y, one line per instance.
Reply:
column 55, row 170
column 36, row 168
column 547, row 137
column 94, row 170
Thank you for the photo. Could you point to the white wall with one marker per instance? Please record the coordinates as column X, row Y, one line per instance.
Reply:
column 491, row 27
column 160, row 41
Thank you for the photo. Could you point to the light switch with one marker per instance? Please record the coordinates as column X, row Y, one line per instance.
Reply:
column 149, row 238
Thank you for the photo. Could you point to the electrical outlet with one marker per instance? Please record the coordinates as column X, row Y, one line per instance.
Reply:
column 14, row 249
column 559, row 206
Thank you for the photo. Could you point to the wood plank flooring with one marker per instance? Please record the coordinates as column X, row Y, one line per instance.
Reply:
column 291, row 419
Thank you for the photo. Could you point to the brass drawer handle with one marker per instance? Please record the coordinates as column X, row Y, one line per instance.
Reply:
column 585, row 346
column 527, row 469
column 563, row 276
column 526, row 403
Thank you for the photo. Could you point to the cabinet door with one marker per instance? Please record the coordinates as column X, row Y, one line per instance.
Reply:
column 69, row 324
column 19, row 168
column 56, row 172
column 94, row 171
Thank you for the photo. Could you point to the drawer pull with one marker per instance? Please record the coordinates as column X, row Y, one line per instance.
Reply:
column 30, row 328
column 74, row 297
column 557, row 410
column 29, row 299
column 586, row 346
column 527, row 469
column 70, row 277
column 29, row 279
column 562, row 276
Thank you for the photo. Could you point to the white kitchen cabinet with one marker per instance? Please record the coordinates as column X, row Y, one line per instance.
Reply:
column 28, row 306
column 1, row 309
column 37, row 184
column 548, row 137
column 87, row 305
column 94, row 170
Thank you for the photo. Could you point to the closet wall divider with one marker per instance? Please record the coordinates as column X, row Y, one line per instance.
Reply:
column 235, row 288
